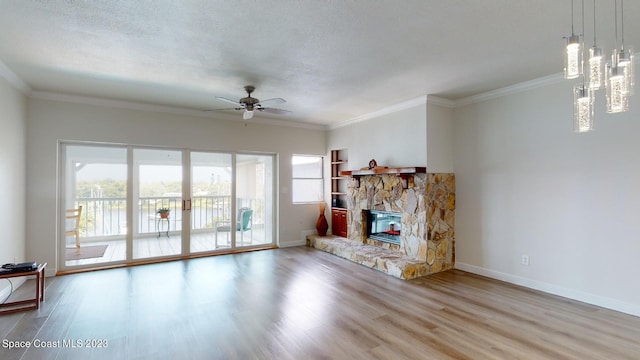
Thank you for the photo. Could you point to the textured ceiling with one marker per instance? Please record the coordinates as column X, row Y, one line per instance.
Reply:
column 331, row 60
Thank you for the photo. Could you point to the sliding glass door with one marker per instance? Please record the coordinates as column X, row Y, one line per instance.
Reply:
column 149, row 203
column 254, row 198
column 211, row 183
column 94, row 206
column 227, row 217
column 157, row 194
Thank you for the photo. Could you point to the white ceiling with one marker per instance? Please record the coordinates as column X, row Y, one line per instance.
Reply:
column 332, row 60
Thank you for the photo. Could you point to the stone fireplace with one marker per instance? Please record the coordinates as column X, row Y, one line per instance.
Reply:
column 425, row 204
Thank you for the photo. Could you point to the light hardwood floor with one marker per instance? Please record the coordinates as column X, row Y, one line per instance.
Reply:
column 301, row 303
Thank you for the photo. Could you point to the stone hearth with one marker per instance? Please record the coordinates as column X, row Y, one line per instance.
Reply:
column 386, row 260
column 427, row 206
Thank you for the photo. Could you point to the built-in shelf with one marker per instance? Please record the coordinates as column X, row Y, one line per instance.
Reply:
column 406, row 173
column 339, row 192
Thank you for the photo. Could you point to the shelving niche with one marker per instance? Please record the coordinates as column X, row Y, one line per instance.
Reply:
column 339, row 161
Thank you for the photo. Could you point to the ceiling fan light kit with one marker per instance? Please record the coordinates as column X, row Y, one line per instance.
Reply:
column 250, row 104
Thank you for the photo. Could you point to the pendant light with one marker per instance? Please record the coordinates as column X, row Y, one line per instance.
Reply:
column 625, row 57
column 583, row 105
column 572, row 53
column 616, row 93
column 595, row 59
column 583, row 102
column 619, row 80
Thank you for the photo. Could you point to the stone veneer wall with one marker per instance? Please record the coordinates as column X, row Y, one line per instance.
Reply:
column 428, row 215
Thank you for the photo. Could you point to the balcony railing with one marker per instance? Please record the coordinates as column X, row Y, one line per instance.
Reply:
column 107, row 217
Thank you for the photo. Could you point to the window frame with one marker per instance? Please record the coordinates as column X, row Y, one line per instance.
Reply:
column 321, row 178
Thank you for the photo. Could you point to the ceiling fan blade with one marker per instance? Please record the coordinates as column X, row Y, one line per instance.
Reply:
column 274, row 101
column 275, row 111
column 236, row 108
column 229, row 101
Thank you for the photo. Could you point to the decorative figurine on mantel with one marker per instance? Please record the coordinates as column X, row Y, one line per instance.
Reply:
column 373, row 164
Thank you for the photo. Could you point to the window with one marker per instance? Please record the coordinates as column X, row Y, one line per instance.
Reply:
column 307, row 182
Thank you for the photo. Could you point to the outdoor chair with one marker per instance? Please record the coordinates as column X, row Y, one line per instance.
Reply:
column 72, row 223
column 244, row 223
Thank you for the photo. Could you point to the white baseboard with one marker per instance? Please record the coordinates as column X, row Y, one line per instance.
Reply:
column 301, row 242
column 292, row 244
column 612, row 304
column 5, row 287
column 605, row 302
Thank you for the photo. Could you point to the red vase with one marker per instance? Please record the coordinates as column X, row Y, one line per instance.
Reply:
column 321, row 225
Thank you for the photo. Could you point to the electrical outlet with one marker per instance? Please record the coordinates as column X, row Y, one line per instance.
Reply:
column 525, row 260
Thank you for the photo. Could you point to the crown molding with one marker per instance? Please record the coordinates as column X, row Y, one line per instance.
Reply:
column 452, row 104
column 421, row 100
column 509, row 90
column 119, row 104
column 516, row 88
column 439, row 101
column 14, row 79
column 130, row 105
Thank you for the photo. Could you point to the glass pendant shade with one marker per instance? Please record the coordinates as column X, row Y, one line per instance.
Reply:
column 595, row 68
column 572, row 57
column 247, row 115
column 616, row 92
column 626, row 63
column 630, row 75
column 583, row 108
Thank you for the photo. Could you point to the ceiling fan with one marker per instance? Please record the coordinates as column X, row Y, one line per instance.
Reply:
column 250, row 104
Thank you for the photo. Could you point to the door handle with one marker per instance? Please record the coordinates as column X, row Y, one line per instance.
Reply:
column 186, row 205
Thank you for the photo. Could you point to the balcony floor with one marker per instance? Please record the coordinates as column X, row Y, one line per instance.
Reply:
column 155, row 247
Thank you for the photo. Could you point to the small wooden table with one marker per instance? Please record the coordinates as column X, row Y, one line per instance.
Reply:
column 32, row 303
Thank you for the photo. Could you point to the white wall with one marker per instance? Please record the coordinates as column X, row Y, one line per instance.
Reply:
column 420, row 135
column 396, row 139
column 12, row 177
column 526, row 184
column 51, row 121
column 439, row 138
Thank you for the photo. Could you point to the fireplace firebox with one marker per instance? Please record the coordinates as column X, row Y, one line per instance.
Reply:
column 384, row 226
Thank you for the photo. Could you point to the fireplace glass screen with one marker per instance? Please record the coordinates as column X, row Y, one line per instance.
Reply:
column 384, row 226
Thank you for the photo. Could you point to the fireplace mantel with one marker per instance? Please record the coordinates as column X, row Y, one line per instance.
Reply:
column 406, row 173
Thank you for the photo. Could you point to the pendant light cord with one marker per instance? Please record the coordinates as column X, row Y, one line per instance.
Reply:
column 615, row 19
column 622, row 23
column 583, row 20
column 572, row 17
column 582, row 49
column 594, row 23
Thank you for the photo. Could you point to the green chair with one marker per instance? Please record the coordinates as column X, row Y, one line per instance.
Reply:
column 243, row 224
